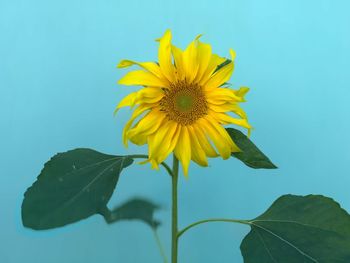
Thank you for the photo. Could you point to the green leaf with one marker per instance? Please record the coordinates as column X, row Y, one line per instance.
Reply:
column 135, row 209
column 72, row 186
column 250, row 154
column 298, row 229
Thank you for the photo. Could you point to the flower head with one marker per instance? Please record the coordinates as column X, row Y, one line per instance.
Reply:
column 183, row 104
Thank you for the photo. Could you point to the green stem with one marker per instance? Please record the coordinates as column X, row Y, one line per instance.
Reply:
column 245, row 222
column 174, row 226
column 144, row 156
column 160, row 246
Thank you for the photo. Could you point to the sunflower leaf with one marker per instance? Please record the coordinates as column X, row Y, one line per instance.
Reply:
column 250, row 154
column 298, row 229
column 72, row 186
column 134, row 209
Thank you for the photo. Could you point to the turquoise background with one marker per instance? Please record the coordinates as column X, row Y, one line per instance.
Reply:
column 58, row 92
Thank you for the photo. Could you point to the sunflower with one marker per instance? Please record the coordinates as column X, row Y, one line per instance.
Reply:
column 183, row 104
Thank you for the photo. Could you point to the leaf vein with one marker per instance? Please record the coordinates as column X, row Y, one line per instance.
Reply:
column 285, row 241
column 265, row 246
column 69, row 201
column 293, row 222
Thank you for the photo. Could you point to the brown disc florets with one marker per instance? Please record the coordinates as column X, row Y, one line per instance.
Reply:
column 184, row 102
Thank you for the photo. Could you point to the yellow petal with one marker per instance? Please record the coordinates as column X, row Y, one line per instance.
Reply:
column 164, row 154
column 227, row 119
column 162, row 142
column 221, row 130
column 204, row 56
column 233, row 54
column 222, row 75
column 242, row 92
column 214, row 62
column 228, row 107
column 183, row 149
column 146, row 126
column 143, row 78
column 219, row 136
column 190, row 62
column 146, row 95
column 128, row 101
column 219, row 77
column 164, row 56
column 223, row 94
column 137, row 112
column 178, row 59
column 174, row 140
column 154, row 164
column 197, row 153
column 203, row 140
column 215, row 137
column 152, row 67
column 149, row 95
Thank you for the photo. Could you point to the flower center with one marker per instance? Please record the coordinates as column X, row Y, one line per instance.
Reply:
column 184, row 103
